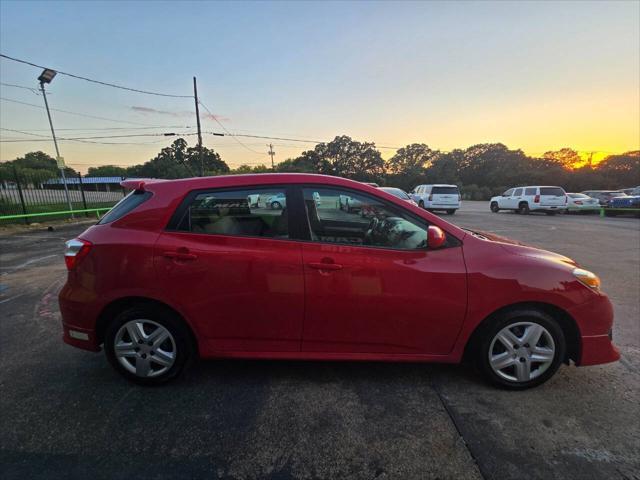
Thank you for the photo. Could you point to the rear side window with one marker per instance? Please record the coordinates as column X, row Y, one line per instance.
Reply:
column 124, row 206
column 530, row 191
column 243, row 212
column 553, row 191
column 445, row 190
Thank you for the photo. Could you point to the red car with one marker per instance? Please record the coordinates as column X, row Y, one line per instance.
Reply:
column 188, row 268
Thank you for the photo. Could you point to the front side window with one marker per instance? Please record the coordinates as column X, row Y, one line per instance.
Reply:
column 508, row 193
column 242, row 212
column 347, row 218
column 517, row 192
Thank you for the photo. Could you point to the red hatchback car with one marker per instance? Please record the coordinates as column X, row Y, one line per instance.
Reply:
column 207, row 267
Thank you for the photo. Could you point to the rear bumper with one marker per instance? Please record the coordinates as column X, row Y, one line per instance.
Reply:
column 78, row 323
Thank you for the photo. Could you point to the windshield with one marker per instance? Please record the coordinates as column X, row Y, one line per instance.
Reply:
column 396, row 192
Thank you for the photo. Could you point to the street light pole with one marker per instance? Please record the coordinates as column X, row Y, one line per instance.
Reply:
column 46, row 77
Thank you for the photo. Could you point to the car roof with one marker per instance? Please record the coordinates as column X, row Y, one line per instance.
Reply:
column 436, row 185
column 256, row 179
column 537, row 186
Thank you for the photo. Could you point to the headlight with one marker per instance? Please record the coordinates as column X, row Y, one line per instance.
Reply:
column 588, row 278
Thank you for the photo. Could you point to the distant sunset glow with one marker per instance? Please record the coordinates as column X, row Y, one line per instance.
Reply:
column 536, row 76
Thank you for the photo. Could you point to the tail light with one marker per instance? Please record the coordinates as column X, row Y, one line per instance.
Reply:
column 459, row 197
column 536, row 199
column 430, row 197
column 75, row 251
column 565, row 199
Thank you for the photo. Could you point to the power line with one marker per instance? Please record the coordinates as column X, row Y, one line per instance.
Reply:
column 24, row 130
column 75, row 113
column 171, row 134
column 99, row 82
column 227, row 131
column 32, row 90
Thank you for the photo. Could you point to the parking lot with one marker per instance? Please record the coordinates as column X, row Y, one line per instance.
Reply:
column 66, row 414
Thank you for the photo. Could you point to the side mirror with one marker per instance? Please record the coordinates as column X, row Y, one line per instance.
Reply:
column 435, row 237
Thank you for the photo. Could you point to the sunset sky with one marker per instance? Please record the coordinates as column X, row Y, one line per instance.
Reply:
column 537, row 75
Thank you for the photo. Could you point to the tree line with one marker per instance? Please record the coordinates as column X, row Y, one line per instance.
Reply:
column 480, row 170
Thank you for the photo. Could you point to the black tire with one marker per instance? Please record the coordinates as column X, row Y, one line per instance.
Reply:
column 494, row 207
column 421, row 204
column 451, row 211
column 523, row 208
column 488, row 332
column 185, row 349
column 276, row 206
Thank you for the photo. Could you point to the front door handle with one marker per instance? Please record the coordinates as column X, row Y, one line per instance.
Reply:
column 325, row 266
column 180, row 255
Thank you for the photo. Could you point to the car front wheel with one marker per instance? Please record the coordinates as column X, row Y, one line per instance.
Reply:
column 521, row 349
column 148, row 345
column 494, row 207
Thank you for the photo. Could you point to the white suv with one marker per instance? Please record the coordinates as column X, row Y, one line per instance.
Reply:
column 437, row 197
column 531, row 199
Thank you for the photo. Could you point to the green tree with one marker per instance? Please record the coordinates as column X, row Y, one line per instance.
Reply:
column 180, row 161
column 566, row 157
column 107, row 171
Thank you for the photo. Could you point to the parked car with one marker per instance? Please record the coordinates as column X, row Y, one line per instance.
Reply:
column 398, row 192
column 349, row 203
column 277, row 202
column 253, row 200
column 369, row 212
column 437, row 197
column 581, row 203
column 620, row 205
column 631, row 191
column 524, row 200
column 183, row 269
column 603, row 196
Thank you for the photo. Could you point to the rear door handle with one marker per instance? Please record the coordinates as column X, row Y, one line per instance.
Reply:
column 180, row 255
column 325, row 266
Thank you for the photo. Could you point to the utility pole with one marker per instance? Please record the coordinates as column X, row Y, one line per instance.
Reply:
column 195, row 96
column 271, row 154
column 46, row 77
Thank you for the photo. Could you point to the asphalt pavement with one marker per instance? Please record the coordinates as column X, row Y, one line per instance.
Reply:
column 64, row 413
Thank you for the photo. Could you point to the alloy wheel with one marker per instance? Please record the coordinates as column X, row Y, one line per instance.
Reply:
column 521, row 352
column 145, row 348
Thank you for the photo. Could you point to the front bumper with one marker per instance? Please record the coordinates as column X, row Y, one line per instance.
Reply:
column 595, row 321
column 597, row 350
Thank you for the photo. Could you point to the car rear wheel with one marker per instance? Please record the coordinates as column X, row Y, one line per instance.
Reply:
column 521, row 349
column 494, row 207
column 523, row 208
column 451, row 211
column 148, row 345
